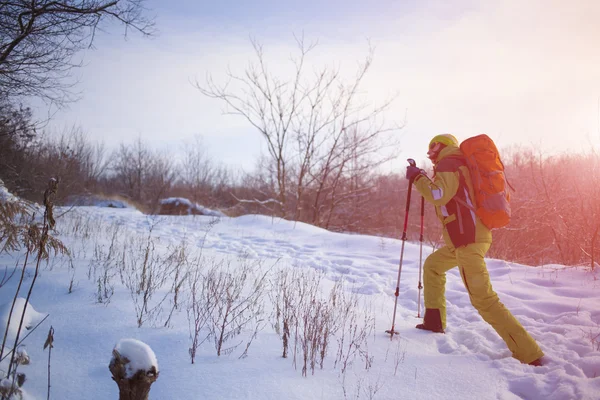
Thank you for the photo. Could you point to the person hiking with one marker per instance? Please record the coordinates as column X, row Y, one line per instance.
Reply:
column 467, row 240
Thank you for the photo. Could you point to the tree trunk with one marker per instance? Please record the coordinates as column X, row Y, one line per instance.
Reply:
column 136, row 387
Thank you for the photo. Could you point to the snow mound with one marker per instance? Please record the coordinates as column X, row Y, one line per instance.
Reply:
column 32, row 317
column 276, row 224
column 183, row 206
column 5, row 195
column 140, row 356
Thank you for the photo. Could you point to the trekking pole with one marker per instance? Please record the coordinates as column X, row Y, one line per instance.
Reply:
column 420, row 286
column 392, row 332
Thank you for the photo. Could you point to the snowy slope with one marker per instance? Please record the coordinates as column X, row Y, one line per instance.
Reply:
column 559, row 306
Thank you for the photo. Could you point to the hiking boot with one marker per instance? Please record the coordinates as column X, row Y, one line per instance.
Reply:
column 432, row 321
column 536, row 363
column 428, row 328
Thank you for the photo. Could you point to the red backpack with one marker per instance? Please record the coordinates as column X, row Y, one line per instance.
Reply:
column 489, row 182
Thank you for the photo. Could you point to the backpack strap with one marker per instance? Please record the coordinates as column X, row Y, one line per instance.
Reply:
column 458, row 199
column 453, row 164
column 461, row 230
column 450, row 164
column 464, row 203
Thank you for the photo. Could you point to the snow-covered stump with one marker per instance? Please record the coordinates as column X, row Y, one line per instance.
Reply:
column 134, row 368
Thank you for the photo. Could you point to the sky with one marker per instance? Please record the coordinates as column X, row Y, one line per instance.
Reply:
column 525, row 73
column 557, row 305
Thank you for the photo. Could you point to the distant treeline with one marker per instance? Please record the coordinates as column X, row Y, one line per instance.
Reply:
column 556, row 203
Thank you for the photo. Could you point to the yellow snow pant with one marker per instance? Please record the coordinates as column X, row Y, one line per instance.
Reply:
column 470, row 260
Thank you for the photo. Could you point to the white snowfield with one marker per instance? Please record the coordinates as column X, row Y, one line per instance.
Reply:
column 559, row 306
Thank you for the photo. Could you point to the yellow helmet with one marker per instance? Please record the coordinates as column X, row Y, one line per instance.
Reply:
column 446, row 138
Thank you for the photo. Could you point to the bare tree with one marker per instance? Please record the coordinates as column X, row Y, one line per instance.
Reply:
column 130, row 162
column 311, row 123
column 142, row 174
column 555, row 209
column 344, row 176
column 94, row 158
column 17, row 135
column 200, row 175
column 39, row 40
column 579, row 216
column 78, row 162
column 159, row 178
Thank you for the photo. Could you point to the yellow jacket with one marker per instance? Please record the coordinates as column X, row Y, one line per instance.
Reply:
column 451, row 192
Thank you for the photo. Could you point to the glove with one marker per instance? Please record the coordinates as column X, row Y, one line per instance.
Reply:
column 413, row 172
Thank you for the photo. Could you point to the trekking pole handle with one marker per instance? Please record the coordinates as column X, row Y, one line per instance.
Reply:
column 412, row 162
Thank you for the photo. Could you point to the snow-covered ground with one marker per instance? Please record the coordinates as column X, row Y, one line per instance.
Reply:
column 559, row 306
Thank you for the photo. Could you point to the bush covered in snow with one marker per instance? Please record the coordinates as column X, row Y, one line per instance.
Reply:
column 183, row 206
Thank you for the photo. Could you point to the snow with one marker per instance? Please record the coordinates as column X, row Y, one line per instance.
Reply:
column 97, row 201
column 5, row 195
column 140, row 356
column 558, row 305
column 6, row 383
column 32, row 317
column 191, row 206
column 176, row 201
